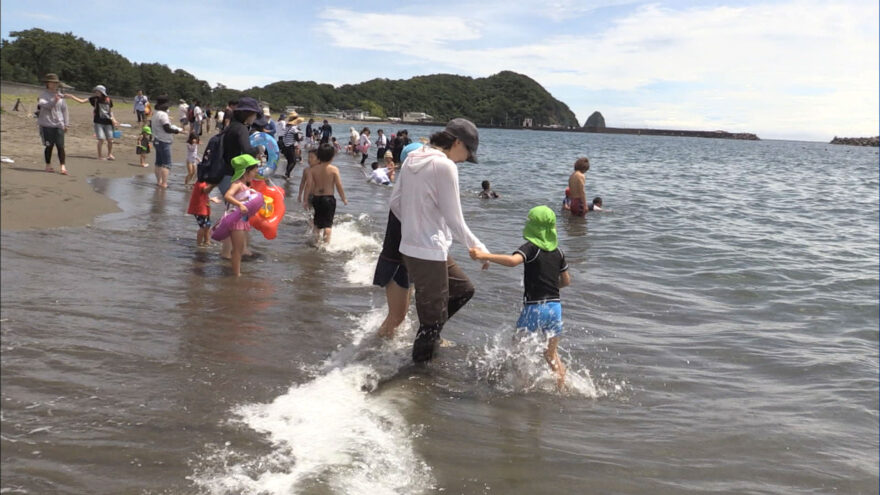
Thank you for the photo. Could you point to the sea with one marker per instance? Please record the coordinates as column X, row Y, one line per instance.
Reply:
column 721, row 336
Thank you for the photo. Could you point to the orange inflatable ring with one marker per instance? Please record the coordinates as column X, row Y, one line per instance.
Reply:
column 272, row 212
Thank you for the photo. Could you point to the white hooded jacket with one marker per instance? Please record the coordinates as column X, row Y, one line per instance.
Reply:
column 427, row 201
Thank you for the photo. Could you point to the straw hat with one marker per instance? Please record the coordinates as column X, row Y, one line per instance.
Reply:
column 50, row 77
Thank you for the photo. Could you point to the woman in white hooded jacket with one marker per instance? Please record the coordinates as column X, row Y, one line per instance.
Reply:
column 426, row 199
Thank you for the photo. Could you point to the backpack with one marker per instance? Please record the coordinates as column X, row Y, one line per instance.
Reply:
column 212, row 168
column 191, row 113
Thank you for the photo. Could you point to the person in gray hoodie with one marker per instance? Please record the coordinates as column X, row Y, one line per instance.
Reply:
column 426, row 199
column 54, row 120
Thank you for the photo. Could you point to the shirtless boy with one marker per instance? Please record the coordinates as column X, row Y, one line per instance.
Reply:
column 321, row 182
column 576, row 183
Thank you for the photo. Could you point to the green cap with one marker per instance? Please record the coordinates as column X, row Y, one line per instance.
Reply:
column 241, row 163
column 147, row 129
column 540, row 228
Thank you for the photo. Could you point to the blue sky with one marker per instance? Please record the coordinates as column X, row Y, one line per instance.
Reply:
column 788, row 69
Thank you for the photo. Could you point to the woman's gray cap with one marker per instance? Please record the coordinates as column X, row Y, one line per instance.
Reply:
column 465, row 131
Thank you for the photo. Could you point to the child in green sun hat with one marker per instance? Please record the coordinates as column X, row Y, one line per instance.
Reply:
column 545, row 272
column 143, row 146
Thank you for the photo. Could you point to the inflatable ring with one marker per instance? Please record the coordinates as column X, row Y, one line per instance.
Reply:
column 272, row 152
column 272, row 212
column 224, row 227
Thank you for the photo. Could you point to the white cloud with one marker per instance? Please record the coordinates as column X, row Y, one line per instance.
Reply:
column 775, row 66
column 393, row 32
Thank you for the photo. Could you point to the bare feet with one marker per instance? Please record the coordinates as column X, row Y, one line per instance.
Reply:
column 111, row 157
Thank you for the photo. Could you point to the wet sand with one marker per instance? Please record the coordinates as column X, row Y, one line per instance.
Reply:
column 31, row 198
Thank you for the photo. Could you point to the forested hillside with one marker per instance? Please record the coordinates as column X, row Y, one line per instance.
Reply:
column 504, row 99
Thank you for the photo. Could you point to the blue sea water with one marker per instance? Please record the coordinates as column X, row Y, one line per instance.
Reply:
column 721, row 333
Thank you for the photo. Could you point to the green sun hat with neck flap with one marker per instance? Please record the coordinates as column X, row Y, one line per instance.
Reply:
column 241, row 163
column 540, row 228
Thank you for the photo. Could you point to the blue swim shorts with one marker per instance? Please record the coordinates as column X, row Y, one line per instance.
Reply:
column 546, row 317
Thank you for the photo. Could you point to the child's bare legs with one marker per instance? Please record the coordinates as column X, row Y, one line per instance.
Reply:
column 100, row 146
column 109, row 150
column 237, row 237
column 190, row 173
column 398, row 302
column 143, row 160
column 202, row 236
column 226, row 248
column 552, row 357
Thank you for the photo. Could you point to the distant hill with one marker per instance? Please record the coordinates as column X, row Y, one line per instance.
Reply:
column 504, row 99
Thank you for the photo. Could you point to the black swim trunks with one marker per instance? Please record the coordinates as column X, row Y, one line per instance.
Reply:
column 325, row 210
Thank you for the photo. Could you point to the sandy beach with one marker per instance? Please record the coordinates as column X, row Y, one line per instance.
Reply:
column 35, row 199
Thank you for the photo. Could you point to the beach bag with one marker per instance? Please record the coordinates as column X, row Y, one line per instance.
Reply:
column 212, row 168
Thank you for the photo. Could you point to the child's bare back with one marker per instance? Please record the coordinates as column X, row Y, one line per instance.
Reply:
column 325, row 177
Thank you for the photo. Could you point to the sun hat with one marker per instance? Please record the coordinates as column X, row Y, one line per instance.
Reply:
column 248, row 104
column 388, row 154
column 181, row 101
column 465, row 131
column 295, row 120
column 266, row 111
column 241, row 163
column 147, row 129
column 50, row 77
column 540, row 228
column 101, row 89
column 261, row 121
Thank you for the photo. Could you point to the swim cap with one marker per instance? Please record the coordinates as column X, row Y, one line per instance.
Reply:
column 540, row 228
column 406, row 149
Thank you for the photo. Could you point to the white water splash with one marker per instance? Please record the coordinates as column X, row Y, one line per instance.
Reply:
column 330, row 431
column 515, row 364
column 364, row 249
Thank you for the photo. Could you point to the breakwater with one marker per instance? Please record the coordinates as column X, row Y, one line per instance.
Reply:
column 674, row 132
column 863, row 141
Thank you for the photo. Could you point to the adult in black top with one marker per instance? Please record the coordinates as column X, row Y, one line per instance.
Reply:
column 326, row 132
column 236, row 137
column 309, row 131
column 391, row 274
column 400, row 141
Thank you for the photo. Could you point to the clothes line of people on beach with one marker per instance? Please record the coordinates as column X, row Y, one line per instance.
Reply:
column 425, row 213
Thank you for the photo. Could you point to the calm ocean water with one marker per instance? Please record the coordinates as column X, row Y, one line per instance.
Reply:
column 721, row 333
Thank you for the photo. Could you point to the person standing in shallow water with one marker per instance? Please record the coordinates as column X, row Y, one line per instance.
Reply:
column 426, row 200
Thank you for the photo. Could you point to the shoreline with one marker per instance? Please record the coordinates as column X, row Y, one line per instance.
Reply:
column 33, row 199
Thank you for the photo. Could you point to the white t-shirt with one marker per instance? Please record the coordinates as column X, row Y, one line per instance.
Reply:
column 157, row 124
column 183, row 107
column 220, row 114
column 380, row 176
column 198, row 114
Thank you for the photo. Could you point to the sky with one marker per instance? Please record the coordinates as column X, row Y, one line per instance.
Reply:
column 787, row 69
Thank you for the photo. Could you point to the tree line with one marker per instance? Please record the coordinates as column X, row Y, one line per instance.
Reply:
column 504, row 99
